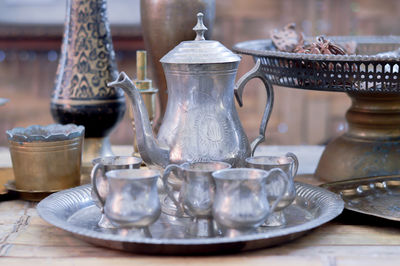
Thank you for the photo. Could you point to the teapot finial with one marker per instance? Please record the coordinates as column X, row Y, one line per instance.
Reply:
column 200, row 29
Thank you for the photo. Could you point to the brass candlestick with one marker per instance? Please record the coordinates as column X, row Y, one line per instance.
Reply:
column 147, row 92
column 164, row 25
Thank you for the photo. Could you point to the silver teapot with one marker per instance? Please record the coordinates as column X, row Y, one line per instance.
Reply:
column 200, row 121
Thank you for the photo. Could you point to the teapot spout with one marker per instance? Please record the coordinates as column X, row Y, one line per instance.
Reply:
column 150, row 150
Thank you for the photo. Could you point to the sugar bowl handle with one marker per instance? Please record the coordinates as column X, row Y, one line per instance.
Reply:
column 256, row 72
column 93, row 177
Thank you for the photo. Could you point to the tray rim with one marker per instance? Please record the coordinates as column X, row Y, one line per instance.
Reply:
column 241, row 48
column 335, row 188
column 332, row 200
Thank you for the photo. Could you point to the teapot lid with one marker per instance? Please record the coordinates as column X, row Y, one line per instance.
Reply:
column 200, row 51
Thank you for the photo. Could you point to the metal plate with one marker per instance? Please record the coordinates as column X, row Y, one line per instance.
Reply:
column 364, row 72
column 6, row 175
column 26, row 194
column 74, row 211
column 377, row 196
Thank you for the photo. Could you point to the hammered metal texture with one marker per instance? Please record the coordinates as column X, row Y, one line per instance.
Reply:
column 366, row 72
column 377, row 196
column 74, row 211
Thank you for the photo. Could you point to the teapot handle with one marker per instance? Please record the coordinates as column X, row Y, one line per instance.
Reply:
column 256, row 72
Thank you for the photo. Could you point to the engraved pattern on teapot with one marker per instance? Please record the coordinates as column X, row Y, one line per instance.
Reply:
column 200, row 122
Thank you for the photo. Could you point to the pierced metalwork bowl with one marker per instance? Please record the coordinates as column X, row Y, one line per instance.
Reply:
column 371, row 146
column 364, row 72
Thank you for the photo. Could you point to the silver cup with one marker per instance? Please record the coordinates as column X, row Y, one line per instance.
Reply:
column 196, row 195
column 99, row 179
column 132, row 199
column 289, row 164
column 241, row 201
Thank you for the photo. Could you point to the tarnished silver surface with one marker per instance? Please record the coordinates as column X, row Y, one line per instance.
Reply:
column 132, row 200
column 377, row 196
column 104, row 164
column 371, row 70
column 200, row 122
column 364, row 43
column 242, row 199
column 289, row 164
column 74, row 211
column 370, row 146
column 196, row 194
column 200, row 51
column 98, row 178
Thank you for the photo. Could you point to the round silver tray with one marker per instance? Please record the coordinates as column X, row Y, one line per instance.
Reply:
column 74, row 211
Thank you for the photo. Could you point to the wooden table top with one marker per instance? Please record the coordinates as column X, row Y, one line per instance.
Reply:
column 350, row 239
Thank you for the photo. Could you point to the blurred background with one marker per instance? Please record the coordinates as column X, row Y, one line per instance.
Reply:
column 31, row 33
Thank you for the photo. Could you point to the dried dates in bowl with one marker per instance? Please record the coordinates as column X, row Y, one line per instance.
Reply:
column 292, row 41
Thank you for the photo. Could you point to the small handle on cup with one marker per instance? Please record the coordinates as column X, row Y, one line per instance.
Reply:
column 296, row 163
column 171, row 168
column 93, row 177
column 286, row 180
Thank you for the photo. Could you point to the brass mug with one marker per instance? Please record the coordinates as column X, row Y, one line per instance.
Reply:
column 46, row 159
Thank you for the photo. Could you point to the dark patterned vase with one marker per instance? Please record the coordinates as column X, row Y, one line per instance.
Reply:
column 87, row 64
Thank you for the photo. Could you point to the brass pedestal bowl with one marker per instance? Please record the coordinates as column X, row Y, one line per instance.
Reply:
column 371, row 145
